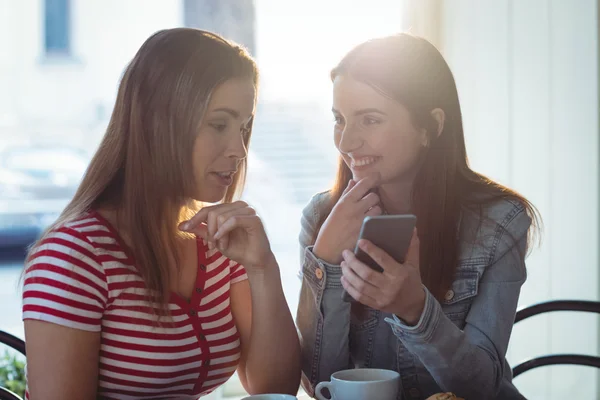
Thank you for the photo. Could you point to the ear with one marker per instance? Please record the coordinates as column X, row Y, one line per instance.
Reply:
column 424, row 137
column 440, row 116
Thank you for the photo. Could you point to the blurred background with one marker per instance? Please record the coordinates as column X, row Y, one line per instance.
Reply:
column 527, row 75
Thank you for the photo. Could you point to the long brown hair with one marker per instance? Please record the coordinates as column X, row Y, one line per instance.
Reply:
column 412, row 71
column 142, row 168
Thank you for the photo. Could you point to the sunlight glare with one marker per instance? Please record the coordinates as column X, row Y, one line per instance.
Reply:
column 299, row 42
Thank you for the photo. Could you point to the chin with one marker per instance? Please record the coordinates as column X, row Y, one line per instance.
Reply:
column 358, row 175
column 214, row 196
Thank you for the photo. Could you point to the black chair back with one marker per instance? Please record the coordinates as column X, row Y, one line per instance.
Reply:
column 557, row 359
column 12, row 341
column 6, row 394
column 17, row 344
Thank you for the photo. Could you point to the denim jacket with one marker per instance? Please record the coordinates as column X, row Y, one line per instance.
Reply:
column 458, row 345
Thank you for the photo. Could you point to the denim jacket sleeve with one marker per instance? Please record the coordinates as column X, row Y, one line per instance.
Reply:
column 323, row 320
column 471, row 362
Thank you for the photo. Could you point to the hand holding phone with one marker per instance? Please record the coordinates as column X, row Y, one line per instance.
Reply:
column 391, row 233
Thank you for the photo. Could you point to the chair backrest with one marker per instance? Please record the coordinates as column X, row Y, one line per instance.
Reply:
column 557, row 359
column 6, row 394
column 17, row 344
column 12, row 341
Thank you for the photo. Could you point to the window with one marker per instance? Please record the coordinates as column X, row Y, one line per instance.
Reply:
column 200, row 13
column 291, row 155
column 232, row 19
column 57, row 29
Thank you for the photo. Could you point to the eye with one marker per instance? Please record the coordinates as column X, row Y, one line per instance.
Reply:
column 219, row 127
column 368, row 121
column 338, row 120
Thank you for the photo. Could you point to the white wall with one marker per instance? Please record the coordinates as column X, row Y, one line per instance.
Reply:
column 44, row 96
column 527, row 74
column 8, row 49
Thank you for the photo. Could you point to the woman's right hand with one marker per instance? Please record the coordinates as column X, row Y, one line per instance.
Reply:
column 341, row 228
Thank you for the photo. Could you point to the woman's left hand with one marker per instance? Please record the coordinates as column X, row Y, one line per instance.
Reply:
column 235, row 230
column 397, row 290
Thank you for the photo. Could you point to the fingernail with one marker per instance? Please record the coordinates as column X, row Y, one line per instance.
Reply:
column 217, row 235
column 184, row 226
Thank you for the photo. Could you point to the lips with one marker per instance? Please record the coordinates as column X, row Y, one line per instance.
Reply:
column 223, row 178
column 362, row 162
column 225, row 174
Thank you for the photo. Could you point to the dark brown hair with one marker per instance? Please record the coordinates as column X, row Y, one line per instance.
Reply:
column 142, row 168
column 412, row 71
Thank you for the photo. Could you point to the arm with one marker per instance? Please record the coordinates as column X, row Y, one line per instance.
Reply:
column 64, row 296
column 270, row 360
column 62, row 363
column 471, row 362
column 236, row 230
column 323, row 319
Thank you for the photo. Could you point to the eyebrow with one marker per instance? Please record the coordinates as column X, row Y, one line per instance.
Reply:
column 362, row 111
column 229, row 111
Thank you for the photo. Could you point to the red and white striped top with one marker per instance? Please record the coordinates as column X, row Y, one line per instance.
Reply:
column 82, row 277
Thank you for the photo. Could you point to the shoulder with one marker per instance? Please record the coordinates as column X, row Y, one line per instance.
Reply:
column 70, row 237
column 499, row 212
column 69, row 249
column 64, row 280
column 319, row 204
column 492, row 227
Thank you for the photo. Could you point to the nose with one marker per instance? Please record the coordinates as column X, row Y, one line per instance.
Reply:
column 237, row 148
column 349, row 139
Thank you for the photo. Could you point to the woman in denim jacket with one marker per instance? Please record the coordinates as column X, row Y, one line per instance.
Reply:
column 442, row 319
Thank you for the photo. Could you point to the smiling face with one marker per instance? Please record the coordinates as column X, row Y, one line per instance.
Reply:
column 373, row 133
column 221, row 142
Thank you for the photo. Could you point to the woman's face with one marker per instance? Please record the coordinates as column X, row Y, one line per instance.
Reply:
column 219, row 147
column 373, row 133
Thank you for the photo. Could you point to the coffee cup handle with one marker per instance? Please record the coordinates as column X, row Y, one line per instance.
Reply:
column 321, row 386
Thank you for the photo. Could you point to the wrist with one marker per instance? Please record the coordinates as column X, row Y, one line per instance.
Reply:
column 412, row 314
column 318, row 252
column 262, row 278
column 268, row 264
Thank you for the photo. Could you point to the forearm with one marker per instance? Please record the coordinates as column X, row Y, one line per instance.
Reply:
column 460, row 362
column 273, row 362
column 323, row 320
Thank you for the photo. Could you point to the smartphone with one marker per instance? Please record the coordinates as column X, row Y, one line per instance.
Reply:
column 391, row 233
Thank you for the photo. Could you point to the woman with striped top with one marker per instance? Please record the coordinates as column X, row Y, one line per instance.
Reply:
column 139, row 292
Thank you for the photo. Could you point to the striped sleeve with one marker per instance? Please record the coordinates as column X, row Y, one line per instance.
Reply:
column 64, row 283
column 237, row 272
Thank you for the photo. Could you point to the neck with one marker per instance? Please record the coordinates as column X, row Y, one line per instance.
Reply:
column 396, row 198
column 115, row 216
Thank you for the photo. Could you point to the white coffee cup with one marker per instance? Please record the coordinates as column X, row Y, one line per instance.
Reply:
column 271, row 396
column 361, row 384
